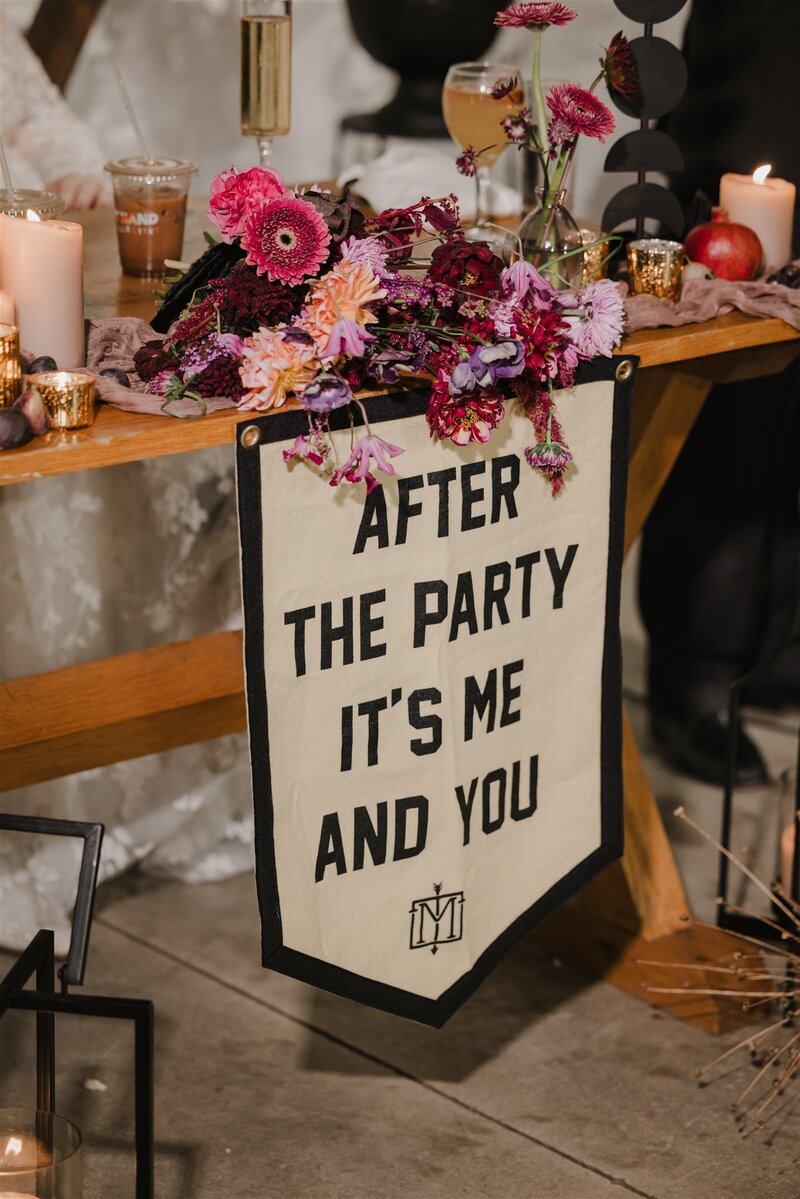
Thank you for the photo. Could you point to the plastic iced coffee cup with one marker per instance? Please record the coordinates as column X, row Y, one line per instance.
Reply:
column 150, row 202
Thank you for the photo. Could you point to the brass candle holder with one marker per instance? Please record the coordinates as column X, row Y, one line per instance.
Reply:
column 597, row 248
column 68, row 396
column 10, row 365
column 656, row 267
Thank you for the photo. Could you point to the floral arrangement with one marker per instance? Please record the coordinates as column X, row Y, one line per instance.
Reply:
column 568, row 111
column 314, row 301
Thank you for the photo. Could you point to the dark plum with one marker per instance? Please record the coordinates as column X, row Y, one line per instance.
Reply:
column 15, row 429
column 121, row 377
column 43, row 363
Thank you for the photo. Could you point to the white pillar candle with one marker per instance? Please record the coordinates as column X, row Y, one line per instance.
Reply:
column 6, row 308
column 42, row 267
column 765, row 205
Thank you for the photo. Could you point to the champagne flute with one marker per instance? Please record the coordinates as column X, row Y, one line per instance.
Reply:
column 266, row 71
column 473, row 117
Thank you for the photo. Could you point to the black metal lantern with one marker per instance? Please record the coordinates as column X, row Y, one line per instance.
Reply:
column 38, row 959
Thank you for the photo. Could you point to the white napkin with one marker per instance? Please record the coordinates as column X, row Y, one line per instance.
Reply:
column 406, row 171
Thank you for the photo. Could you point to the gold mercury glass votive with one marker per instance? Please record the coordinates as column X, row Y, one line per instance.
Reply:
column 68, row 397
column 10, row 365
column 656, row 267
column 595, row 256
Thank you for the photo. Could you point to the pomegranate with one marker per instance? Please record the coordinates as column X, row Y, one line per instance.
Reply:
column 731, row 251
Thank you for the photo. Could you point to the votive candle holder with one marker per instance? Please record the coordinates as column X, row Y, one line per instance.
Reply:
column 10, row 365
column 596, row 251
column 656, row 267
column 69, row 397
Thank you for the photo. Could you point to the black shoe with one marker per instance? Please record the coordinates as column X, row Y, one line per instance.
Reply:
column 698, row 746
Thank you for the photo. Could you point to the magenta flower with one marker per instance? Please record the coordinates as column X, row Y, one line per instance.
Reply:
column 463, row 419
column 549, row 457
column 466, row 162
column 357, row 468
column 303, row 446
column 535, row 14
column 286, row 240
column 504, row 87
column 234, row 195
column 595, row 325
column 580, row 111
column 516, row 125
column 349, row 338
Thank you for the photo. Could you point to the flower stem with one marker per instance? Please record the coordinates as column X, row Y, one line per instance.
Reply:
column 536, row 89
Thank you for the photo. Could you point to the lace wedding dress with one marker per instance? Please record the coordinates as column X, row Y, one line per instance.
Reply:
column 104, row 562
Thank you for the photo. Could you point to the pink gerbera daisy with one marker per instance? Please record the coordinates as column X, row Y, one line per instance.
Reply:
column 286, row 240
column 577, row 110
column 535, row 14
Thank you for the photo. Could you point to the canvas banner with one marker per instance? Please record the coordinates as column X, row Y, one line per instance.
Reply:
column 433, row 685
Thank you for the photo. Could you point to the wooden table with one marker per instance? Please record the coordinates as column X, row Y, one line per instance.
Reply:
column 157, row 699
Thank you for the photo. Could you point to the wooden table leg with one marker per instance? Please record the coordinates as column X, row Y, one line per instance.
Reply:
column 637, row 909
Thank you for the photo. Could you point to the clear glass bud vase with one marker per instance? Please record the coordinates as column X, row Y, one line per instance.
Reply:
column 551, row 241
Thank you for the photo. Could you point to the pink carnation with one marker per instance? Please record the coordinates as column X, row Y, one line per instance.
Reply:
column 234, row 195
column 579, row 111
column 535, row 13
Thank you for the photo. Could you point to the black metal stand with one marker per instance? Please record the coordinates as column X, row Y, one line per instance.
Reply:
column 38, row 959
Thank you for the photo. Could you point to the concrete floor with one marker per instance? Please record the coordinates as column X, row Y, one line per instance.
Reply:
column 546, row 1085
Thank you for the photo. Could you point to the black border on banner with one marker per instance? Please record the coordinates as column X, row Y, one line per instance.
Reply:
column 279, row 957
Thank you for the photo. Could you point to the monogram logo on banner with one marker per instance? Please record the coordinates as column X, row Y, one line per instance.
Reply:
column 437, row 920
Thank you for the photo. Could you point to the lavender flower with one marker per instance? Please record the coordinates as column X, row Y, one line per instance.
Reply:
column 347, row 337
column 595, row 324
column 324, row 393
column 485, row 366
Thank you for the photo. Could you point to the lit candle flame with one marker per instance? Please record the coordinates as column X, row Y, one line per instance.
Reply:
column 760, row 174
column 13, row 1147
column 30, row 215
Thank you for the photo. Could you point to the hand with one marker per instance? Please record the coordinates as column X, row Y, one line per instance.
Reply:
column 81, row 191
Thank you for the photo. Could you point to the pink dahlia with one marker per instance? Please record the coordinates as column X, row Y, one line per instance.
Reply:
column 286, row 240
column 595, row 325
column 234, row 195
column 463, row 419
column 580, row 111
column 535, row 14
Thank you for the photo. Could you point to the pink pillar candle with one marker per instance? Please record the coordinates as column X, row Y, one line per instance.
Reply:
column 766, row 206
column 6, row 308
column 42, row 267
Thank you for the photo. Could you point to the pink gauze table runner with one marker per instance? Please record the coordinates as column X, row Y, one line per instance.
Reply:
column 113, row 342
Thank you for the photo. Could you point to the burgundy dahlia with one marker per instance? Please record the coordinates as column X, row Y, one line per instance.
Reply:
column 466, row 266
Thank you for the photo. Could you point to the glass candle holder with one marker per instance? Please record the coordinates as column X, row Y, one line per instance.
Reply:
column 10, row 365
column 597, row 248
column 68, row 396
column 40, row 1155
column 46, row 205
column 656, row 267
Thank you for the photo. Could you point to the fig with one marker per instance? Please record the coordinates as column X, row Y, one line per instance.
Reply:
column 43, row 363
column 31, row 405
column 111, row 372
column 15, row 429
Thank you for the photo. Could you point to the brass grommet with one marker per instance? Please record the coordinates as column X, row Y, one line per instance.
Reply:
column 624, row 370
column 250, row 436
